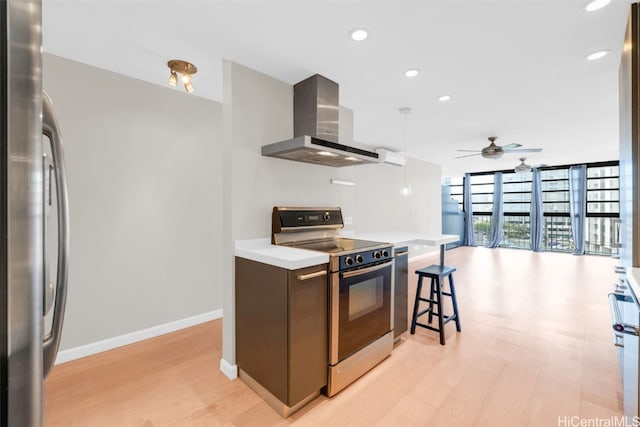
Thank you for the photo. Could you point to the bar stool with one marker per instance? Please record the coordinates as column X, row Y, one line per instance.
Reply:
column 437, row 274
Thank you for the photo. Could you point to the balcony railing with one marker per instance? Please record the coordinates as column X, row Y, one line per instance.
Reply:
column 557, row 235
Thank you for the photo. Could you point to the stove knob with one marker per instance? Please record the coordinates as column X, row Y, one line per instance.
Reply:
column 376, row 254
column 385, row 253
column 359, row 258
column 348, row 260
column 326, row 217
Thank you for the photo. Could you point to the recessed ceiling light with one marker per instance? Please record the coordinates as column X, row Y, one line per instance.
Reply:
column 597, row 55
column 444, row 98
column 412, row 72
column 358, row 34
column 596, row 4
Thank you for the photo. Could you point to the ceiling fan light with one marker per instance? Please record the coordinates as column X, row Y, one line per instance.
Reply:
column 523, row 167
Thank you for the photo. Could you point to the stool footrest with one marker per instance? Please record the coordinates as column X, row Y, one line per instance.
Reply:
column 425, row 311
column 427, row 327
column 445, row 318
column 429, row 300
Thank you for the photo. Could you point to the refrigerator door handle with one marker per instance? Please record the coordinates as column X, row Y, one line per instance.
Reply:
column 51, row 129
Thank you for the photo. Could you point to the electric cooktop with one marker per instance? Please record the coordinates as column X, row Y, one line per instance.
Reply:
column 338, row 245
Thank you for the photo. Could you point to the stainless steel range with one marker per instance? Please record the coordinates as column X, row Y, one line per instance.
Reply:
column 360, row 289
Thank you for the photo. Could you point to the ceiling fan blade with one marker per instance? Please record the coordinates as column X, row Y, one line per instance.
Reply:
column 468, row 155
column 510, row 147
column 526, row 150
column 471, row 151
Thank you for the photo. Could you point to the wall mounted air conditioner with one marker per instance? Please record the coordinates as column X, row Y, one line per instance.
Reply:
column 391, row 157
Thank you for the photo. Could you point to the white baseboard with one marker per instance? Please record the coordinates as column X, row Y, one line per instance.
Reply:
column 231, row 371
column 130, row 338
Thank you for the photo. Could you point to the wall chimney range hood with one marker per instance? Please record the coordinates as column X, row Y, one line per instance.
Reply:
column 315, row 128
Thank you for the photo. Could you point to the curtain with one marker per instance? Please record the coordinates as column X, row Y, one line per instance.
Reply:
column 469, row 236
column 536, row 214
column 578, row 203
column 497, row 218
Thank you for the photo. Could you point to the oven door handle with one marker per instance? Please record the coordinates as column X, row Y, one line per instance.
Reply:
column 617, row 323
column 365, row 270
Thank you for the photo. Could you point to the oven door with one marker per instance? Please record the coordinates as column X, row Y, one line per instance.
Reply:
column 625, row 316
column 361, row 308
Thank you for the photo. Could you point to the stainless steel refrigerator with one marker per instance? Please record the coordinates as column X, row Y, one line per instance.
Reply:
column 34, row 232
column 625, row 307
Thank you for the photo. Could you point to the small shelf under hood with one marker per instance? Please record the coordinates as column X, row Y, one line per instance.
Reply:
column 317, row 151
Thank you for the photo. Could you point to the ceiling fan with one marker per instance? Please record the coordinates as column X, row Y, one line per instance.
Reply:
column 493, row 151
column 523, row 167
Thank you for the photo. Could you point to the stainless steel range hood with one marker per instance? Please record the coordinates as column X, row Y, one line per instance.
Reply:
column 315, row 129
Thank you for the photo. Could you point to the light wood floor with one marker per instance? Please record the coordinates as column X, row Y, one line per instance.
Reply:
column 535, row 345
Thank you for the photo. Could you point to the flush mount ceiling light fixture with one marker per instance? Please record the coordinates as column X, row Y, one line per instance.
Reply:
column 358, row 34
column 597, row 55
column 187, row 69
column 596, row 5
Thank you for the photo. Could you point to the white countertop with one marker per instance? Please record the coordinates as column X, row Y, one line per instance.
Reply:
column 401, row 238
column 262, row 250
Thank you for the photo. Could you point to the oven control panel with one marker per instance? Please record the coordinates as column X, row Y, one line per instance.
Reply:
column 365, row 257
column 292, row 218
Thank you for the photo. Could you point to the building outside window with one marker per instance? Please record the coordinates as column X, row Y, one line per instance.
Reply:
column 516, row 189
column 602, row 208
column 482, row 202
column 557, row 235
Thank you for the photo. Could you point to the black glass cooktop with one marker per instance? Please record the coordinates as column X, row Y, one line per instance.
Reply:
column 339, row 245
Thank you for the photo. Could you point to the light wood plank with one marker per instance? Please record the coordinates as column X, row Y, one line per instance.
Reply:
column 535, row 345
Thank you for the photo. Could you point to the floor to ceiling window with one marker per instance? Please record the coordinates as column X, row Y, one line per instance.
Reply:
column 517, row 198
column 482, row 201
column 603, row 208
column 557, row 234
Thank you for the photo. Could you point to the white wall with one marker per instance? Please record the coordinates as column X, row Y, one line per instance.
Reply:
column 163, row 183
column 258, row 110
column 145, row 190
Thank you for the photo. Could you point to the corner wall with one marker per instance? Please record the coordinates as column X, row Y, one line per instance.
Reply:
column 145, row 192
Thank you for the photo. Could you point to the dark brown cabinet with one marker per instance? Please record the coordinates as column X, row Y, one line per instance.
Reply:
column 401, row 293
column 282, row 328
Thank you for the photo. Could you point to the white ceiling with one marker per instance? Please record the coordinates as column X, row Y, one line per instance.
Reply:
column 514, row 68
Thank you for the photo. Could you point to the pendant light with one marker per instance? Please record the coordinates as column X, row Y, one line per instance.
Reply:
column 406, row 188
